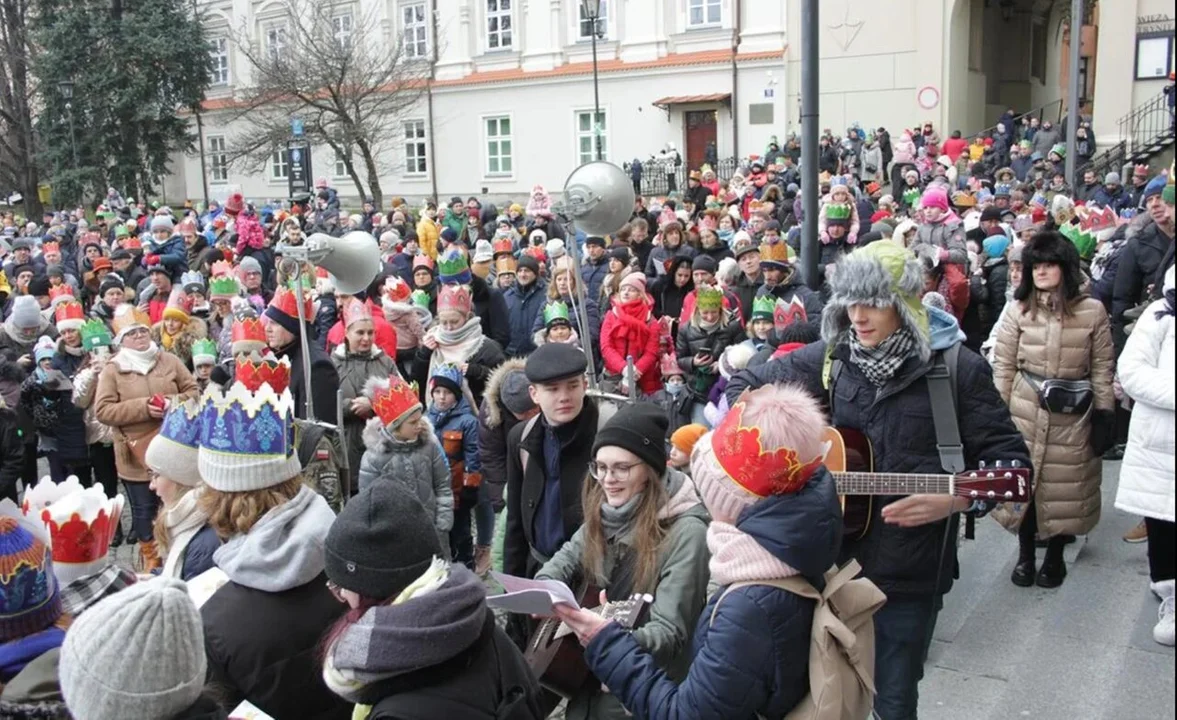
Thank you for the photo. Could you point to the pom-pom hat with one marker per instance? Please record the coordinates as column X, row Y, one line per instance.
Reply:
column 29, row 598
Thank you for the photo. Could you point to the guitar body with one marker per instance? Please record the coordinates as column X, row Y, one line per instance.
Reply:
column 850, row 451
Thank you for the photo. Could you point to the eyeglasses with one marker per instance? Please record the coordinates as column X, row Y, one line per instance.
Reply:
column 600, row 471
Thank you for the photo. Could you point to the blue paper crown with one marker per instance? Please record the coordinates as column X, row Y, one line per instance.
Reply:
column 181, row 424
column 447, row 372
column 240, row 423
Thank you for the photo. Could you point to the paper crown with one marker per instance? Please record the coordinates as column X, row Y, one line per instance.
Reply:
column 95, row 334
column 448, row 375
column 773, row 471
column 61, row 293
column 355, row 311
column 204, row 352
column 127, row 316
column 556, row 312
column 248, row 335
column 776, row 253
column 70, row 315
column 421, row 299
column 51, row 247
column 453, row 268
column 785, row 314
column 247, row 437
column 179, row 305
column 422, row 261
column 253, row 372
column 392, row 399
column 708, row 298
column 504, row 246
column 506, row 265
column 454, row 297
column 963, row 199
column 668, row 365
column 1099, row 220
column 80, row 522
column 838, row 212
column 763, row 307
column 911, row 196
column 192, row 282
column 1083, row 241
column 1002, row 190
column 396, row 290
column 286, row 302
column 181, row 425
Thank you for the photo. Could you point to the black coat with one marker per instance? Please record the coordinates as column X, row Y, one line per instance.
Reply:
column 898, row 422
column 263, row 647
column 478, row 368
column 668, row 297
column 477, row 684
column 1140, row 265
column 491, row 309
column 693, row 340
column 12, row 453
column 525, row 488
column 495, row 423
column 324, row 380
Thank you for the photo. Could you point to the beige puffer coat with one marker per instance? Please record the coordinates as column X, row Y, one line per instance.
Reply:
column 1070, row 347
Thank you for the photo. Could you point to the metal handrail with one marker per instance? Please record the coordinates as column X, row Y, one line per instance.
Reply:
column 1149, row 126
column 1039, row 112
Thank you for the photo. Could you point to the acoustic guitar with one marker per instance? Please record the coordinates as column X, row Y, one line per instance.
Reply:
column 554, row 654
column 851, row 461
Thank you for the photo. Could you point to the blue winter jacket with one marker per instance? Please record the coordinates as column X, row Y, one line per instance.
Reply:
column 754, row 657
column 524, row 305
column 461, row 418
column 172, row 255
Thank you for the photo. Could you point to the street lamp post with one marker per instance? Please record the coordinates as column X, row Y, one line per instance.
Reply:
column 592, row 13
column 66, row 88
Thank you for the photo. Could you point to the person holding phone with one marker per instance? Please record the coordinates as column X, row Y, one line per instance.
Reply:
column 702, row 341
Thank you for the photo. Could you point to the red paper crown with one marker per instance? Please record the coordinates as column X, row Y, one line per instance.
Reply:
column 252, row 373
column 739, row 451
column 248, row 330
column 395, row 400
column 454, row 297
column 785, row 314
column 396, row 290
column 354, row 311
column 503, row 246
column 1099, row 220
column 69, row 314
column 50, row 247
column 286, row 303
column 61, row 291
column 75, row 541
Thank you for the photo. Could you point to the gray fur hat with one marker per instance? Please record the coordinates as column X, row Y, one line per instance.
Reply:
column 879, row 275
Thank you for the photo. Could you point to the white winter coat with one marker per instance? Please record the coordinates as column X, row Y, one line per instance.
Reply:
column 1146, row 370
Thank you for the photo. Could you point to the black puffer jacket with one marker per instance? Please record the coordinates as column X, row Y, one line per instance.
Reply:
column 898, row 422
column 1141, row 264
column 693, row 340
column 491, row 308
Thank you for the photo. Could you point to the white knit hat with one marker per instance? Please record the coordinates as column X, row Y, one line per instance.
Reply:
column 173, row 452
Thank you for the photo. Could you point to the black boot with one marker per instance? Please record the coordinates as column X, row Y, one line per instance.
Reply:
column 118, row 536
column 1054, row 568
column 1023, row 574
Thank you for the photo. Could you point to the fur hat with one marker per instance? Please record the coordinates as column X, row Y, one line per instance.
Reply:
column 879, row 274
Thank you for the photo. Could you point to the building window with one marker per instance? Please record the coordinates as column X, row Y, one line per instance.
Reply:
column 498, row 24
column 1038, row 51
column 415, row 163
column 585, row 26
column 586, row 134
column 220, row 58
column 701, row 13
column 341, row 30
column 279, row 165
column 1154, row 56
column 218, row 159
column 276, row 41
column 415, row 31
column 498, row 146
column 339, row 166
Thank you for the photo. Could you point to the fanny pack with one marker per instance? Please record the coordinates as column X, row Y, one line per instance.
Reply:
column 1066, row 397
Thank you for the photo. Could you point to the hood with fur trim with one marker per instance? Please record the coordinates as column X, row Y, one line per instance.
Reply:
column 494, row 385
column 879, row 274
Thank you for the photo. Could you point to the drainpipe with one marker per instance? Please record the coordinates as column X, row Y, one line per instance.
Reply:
column 735, row 105
column 429, row 100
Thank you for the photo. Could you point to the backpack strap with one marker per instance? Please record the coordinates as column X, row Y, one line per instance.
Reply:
column 795, row 584
column 942, row 395
column 524, row 453
column 831, row 369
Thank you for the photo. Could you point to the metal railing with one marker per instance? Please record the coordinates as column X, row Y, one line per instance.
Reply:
column 1149, row 128
column 656, row 179
column 1052, row 111
column 1112, row 159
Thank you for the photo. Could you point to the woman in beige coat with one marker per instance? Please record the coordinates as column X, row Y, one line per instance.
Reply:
column 1056, row 332
column 134, row 390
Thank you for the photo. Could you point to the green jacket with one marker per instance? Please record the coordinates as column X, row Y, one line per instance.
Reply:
column 678, row 599
column 457, row 222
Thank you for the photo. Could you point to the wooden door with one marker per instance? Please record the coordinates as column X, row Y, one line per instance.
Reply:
column 700, row 130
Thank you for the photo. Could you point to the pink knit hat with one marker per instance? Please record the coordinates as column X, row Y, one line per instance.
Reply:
column 770, row 443
column 935, row 197
column 635, row 280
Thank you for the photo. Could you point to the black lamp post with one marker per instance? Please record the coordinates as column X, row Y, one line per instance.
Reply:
column 66, row 88
column 592, row 13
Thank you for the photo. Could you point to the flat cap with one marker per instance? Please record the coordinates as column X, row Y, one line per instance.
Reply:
column 554, row 361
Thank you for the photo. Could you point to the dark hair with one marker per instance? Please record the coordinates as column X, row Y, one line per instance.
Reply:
column 956, row 134
column 1051, row 247
column 798, row 332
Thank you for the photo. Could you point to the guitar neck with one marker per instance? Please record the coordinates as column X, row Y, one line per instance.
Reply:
column 871, row 483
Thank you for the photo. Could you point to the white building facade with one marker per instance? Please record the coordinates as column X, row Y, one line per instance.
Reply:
column 512, row 99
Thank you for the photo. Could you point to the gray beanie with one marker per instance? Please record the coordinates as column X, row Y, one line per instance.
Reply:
column 1112, row 178
column 26, row 312
column 136, row 654
column 250, row 264
column 162, row 222
column 514, row 392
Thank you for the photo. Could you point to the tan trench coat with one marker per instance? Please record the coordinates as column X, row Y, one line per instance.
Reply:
column 1050, row 344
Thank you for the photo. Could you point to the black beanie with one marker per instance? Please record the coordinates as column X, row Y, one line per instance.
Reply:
column 382, row 541
column 529, row 262
column 705, row 263
column 109, row 282
column 39, row 286
column 639, row 428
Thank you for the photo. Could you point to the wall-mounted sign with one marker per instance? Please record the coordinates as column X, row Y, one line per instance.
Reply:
column 928, row 97
column 769, row 93
column 1154, row 23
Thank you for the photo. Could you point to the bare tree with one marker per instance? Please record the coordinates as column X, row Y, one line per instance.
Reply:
column 351, row 87
column 18, row 168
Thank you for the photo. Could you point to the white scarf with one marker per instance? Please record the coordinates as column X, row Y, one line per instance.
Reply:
column 456, row 346
column 183, row 520
column 140, row 361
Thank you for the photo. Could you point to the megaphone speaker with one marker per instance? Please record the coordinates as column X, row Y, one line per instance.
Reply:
column 353, row 260
column 599, row 197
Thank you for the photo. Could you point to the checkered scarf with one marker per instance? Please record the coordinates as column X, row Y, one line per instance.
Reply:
column 88, row 590
column 881, row 362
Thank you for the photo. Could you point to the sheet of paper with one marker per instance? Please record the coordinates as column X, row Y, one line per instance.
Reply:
column 248, row 711
column 534, row 597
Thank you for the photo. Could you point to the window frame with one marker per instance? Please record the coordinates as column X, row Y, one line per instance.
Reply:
column 602, row 22
column 282, row 155
column 405, row 26
column 421, row 152
column 499, row 14
column 578, row 135
column 1152, row 37
column 337, row 31
column 218, row 172
column 281, row 31
column 704, row 5
column 337, row 165
column 221, row 51
column 499, row 174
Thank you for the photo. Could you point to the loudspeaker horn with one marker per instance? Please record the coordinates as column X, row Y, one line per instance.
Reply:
column 598, row 197
column 353, row 260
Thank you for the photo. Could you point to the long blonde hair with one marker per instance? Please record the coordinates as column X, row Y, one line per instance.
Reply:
column 645, row 537
column 159, row 527
column 235, row 513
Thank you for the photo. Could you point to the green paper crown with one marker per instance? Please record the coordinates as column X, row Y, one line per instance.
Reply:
column 555, row 312
column 452, row 263
column 204, row 348
column 1059, row 149
column 709, row 298
column 224, row 286
column 911, row 196
column 763, row 307
column 1083, row 241
column 420, row 298
column 837, row 212
column 95, row 334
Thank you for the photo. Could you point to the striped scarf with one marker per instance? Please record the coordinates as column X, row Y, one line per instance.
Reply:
column 881, row 362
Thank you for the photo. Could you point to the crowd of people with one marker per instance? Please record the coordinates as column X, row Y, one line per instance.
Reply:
column 166, row 350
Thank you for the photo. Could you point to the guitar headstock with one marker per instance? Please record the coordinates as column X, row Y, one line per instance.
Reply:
column 627, row 613
column 999, row 482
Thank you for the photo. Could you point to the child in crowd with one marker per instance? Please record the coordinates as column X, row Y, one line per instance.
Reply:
column 558, row 325
column 701, row 343
column 400, row 448
column 734, row 359
column 673, row 398
column 456, row 428
column 407, row 318
column 682, row 442
column 204, row 359
column 760, row 325
column 839, row 197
